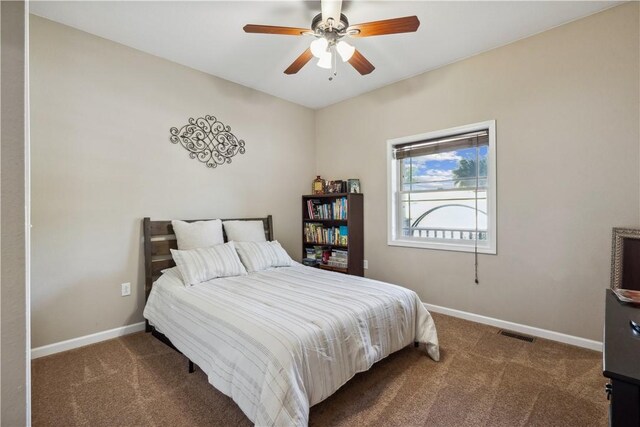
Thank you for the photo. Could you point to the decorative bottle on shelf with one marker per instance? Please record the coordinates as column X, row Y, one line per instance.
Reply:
column 318, row 185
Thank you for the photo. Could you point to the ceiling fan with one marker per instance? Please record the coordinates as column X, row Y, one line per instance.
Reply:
column 329, row 29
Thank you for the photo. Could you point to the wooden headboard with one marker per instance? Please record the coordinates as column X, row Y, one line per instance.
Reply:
column 159, row 239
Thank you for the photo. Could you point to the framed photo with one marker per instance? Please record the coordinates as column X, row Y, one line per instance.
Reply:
column 354, row 186
column 334, row 186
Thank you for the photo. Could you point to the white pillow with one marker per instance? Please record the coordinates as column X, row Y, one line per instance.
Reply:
column 202, row 264
column 245, row 231
column 257, row 256
column 199, row 234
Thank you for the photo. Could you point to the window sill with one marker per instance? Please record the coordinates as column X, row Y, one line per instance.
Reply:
column 454, row 247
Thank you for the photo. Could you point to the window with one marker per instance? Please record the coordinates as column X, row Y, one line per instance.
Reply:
column 442, row 189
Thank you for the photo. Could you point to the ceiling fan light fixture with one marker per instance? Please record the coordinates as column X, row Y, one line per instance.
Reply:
column 325, row 60
column 319, row 47
column 345, row 50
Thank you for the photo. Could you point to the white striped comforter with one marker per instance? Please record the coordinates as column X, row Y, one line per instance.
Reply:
column 281, row 340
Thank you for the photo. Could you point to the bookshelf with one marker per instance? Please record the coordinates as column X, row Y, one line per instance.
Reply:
column 325, row 219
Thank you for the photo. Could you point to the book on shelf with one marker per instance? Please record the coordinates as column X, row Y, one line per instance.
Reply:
column 312, row 208
column 340, row 208
column 339, row 258
column 339, row 253
column 317, row 210
column 318, row 233
column 326, row 254
column 310, row 262
column 333, row 210
column 338, row 264
column 343, row 233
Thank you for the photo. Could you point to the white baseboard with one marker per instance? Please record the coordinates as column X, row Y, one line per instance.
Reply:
column 57, row 347
column 516, row 327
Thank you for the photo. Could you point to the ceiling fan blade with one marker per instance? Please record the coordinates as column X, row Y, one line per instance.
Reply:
column 408, row 24
column 270, row 29
column 331, row 9
column 300, row 62
column 360, row 63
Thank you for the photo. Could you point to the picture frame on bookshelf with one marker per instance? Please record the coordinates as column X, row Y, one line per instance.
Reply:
column 354, row 185
column 334, row 186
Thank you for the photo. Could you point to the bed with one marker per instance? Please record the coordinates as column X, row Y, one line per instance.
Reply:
column 280, row 340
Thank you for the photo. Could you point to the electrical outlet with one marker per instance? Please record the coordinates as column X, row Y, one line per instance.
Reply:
column 365, row 264
column 126, row 289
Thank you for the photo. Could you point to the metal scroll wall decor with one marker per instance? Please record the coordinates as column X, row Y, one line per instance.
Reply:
column 208, row 140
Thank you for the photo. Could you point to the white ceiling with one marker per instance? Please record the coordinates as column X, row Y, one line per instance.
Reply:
column 208, row 36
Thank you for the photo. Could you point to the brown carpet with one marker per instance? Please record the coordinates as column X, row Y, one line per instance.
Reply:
column 483, row 379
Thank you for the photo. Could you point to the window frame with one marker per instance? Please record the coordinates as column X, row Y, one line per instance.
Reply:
column 393, row 199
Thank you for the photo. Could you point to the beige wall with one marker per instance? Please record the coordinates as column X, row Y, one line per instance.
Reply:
column 566, row 104
column 13, row 320
column 102, row 160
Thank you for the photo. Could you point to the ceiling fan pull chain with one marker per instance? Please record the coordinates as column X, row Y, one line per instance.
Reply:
column 334, row 69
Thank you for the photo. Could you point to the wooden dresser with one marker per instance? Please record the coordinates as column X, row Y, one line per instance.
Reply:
column 621, row 360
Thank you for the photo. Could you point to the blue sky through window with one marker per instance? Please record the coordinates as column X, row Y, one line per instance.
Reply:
column 437, row 171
